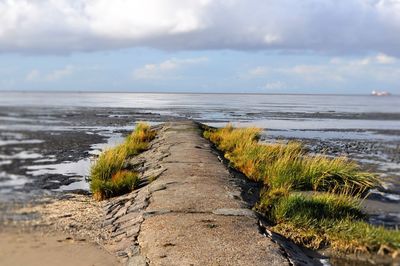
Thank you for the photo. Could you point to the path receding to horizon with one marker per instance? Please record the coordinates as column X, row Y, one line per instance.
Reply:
column 191, row 214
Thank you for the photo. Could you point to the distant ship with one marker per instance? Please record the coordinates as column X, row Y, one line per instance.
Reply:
column 380, row 93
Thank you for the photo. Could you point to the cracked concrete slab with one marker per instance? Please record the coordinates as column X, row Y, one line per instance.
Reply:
column 195, row 219
column 206, row 239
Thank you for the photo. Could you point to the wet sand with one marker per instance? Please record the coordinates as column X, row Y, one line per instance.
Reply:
column 47, row 249
column 55, row 231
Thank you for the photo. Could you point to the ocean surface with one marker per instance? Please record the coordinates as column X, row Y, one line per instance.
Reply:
column 210, row 103
column 48, row 140
column 282, row 112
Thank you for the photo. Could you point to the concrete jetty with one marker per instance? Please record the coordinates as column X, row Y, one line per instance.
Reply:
column 188, row 210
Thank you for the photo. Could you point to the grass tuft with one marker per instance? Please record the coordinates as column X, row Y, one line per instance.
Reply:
column 312, row 199
column 280, row 164
column 303, row 210
column 108, row 176
column 120, row 183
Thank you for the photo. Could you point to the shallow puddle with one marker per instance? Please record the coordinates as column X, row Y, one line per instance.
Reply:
column 77, row 170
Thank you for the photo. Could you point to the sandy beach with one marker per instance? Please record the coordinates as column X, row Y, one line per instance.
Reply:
column 44, row 248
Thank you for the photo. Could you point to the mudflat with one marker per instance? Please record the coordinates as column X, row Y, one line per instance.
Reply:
column 189, row 209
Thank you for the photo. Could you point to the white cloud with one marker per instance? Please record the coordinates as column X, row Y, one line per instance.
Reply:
column 304, row 69
column 339, row 71
column 274, row 85
column 379, row 58
column 63, row 26
column 257, row 71
column 271, row 39
column 165, row 69
column 385, row 59
column 34, row 74
column 315, row 73
column 61, row 73
column 53, row 75
column 306, row 72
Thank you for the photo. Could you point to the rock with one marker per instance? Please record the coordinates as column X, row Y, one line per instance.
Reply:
column 128, row 203
column 129, row 217
column 122, row 254
column 137, row 206
column 137, row 261
column 121, row 212
column 134, row 250
column 115, row 209
column 133, row 231
column 118, row 233
column 132, row 222
column 108, row 222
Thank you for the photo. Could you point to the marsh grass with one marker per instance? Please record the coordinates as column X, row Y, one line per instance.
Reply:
column 345, row 235
column 302, row 210
column 288, row 164
column 108, row 178
column 312, row 199
column 121, row 182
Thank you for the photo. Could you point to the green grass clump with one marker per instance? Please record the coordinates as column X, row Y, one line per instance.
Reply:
column 303, row 209
column 360, row 236
column 343, row 235
column 139, row 139
column 312, row 199
column 120, row 183
column 108, row 178
column 108, row 163
column 288, row 164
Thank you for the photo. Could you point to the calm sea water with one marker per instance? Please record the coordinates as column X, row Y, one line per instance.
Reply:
column 267, row 111
column 258, row 102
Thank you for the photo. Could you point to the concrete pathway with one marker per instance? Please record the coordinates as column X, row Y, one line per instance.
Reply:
column 190, row 214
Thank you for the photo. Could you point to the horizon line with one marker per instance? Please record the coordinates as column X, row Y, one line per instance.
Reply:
column 180, row 92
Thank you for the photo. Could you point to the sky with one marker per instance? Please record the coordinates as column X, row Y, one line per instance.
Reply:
column 257, row 46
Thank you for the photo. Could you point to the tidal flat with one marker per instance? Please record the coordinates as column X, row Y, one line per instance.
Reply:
column 46, row 149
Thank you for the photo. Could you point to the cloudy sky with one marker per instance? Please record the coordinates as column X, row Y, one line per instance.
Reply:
column 268, row 46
